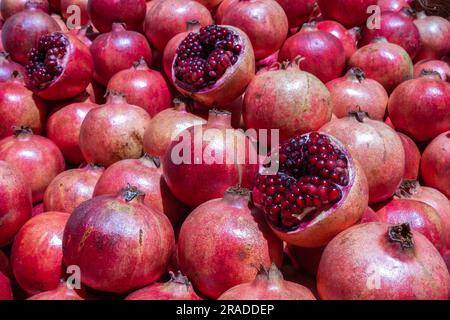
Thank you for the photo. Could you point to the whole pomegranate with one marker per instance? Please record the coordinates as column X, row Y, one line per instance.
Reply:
column 355, row 92
column 19, row 107
column 378, row 149
column 11, row 7
column 317, row 191
column 420, row 107
column 348, row 12
column 142, row 87
column 177, row 288
column 298, row 12
column 288, row 99
column 62, row 292
column 5, row 288
column 375, row 261
column 268, row 285
column 435, row 164
column 8, row 68
column 70, row 188
column 113, row 131
column 117, row 50
column 22, row 31
column 385, row 62
column 348, row 38
column 323, row 54
column 434, row 36
column 412, row 157
column 218, row 70
column 223, row 240
column 36, row 254
column 213, row 156
column 16, row 204
column 36, row 157
column 104, row 13
column 440, row 66
column 77, row 9
column 118, row 243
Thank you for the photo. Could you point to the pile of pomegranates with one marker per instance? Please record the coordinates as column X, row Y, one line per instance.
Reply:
column 224, row 149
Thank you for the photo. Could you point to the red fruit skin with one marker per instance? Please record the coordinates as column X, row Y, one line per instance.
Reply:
column 210, row 4
column 20, row 107
column 264, row 22
column 37, row 209
column 119, row 245
column 165, row 19
column 62, row 292
column 15, row 202
column 5, row 266
column 5, row 288
column 306, row 259
column 222, row 241
column 116, row 51
column 67, row 11
column 420, row 107
column 393, row 5
column 70, row 188
column 350, row 13
column 142, row 87
column 348, row 38
column 146, row 175
column 36, row 157
column 421, row 217
column 434, row 36
column 298, row 12
column 323, row 53
column 63, row 128
column 351, row 259
column 7, row 67
column 103, row 13
column 435, row 164
column 11, row 7
column 385, row 62
column 36, row 255
column 442, row 67
column 412, row 157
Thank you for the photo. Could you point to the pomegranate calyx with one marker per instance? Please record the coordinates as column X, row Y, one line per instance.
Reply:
column 237, row 190
column 359, row 115
column 401, row 234
column 193, row 25
column 355, row 33
column 357, row 74
column 407, row 188
column 433, row 74
column 22, row 130
column 130, row 193
column 140, row 64
column 156, row 161
column 179, row 278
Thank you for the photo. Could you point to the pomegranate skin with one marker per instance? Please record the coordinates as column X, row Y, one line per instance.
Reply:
column 63, row 128
column 298, row 12
column 434, row 36
column 377, row 148
column 118, row 243
column 116, row 51
column 348, row 38
column 104, row 13
column 435, row 164
column 352, row 259
column 7, row 67
column 440, row 66
column 37, row 209
column 355, row 92
column 5, row 266
column 36, row 255
column 348, row 12
column 5, row 288
column 142, row 87
column 67, row 11
column 393, row 5
column 11, row 7
column 36, row 157
column 70, row 188
column 412, row 157
column 217, row 251
column 15, row 202
column 385, row 62
column 420, row 107
column 62, row 292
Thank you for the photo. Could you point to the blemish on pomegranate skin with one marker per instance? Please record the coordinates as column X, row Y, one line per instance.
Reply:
column 84, row 238
column 141, row 236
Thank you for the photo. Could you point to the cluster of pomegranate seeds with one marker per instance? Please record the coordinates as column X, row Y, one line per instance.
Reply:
column 43, row 62
column 310, row 176
column 203, row 57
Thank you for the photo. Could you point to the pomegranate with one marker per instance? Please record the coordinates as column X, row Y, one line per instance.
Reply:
column 5, row 288
column 348, row 38
column 412, row 157
column 165, row 19
column 11, row 7
column 268, row 285
column 15, row 208
column 77, row 9
column 177, row 288
column 435, row 164
column 70, row 188
column 213, row 157
column 298, row 12
column 305, row 259
column 348, row 12
column 104, row 13
column 375, row 261
column 355, row 92
column 142, row 87
column 166, row 125
column 287, row 99
column 323, row 53
column 420, row 107
column 318, row 191
column 36, row 255
column 22, row 31
column 385, row 62
column 118, row 243
column 59, row 67
column 223, row 240
column 434, row 36
column 146, row 174
column 397, row 28
column 113, row 131
column 62, row 292
column 266, row 63
column 38, row 158
column 116, row 51
column 378, row 149
column 19, row 107
column 393, row 5
column 216, row 72
column 440, row 66
column 7, row 67
column 63, row 128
